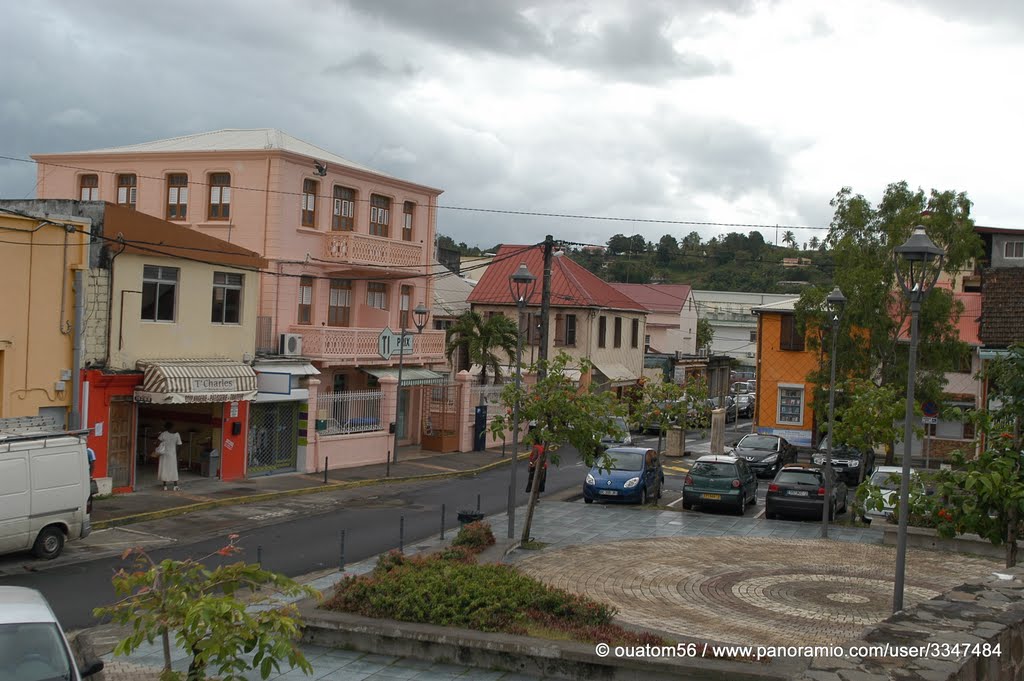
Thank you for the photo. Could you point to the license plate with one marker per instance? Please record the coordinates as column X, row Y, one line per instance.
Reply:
column 796, row 492
column 608, row 492
column 713, row 497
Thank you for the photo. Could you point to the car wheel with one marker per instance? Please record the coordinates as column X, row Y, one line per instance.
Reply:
column 742, row 508
column 753, row 499
column 49, row 543
column 832, row 511
column 587, row 501
column 687, row 506
column 770, row 515
column 643, row 496
column 657, row 491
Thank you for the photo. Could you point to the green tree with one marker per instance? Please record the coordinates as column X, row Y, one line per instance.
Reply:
column 691, row 242
column 202, row 610
column 860, row 240
column 475, row 340
column 867, row 416
column 668, row 249
column 562, row 414
column 705, row 334
column 984, row 494
column 667, row 404
column 631, row 271
column 638, row 244
column 618, row 244
column 789, row 239
column 814, row 243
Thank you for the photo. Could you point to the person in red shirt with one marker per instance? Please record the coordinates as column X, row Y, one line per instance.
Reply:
column 535, row 455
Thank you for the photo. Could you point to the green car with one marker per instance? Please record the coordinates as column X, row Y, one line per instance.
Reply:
column 720, row 480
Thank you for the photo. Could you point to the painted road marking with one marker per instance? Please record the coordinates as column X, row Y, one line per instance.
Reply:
column 677, row 469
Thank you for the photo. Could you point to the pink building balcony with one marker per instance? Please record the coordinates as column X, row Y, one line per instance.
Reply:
column 353, row 346
column 364, row 249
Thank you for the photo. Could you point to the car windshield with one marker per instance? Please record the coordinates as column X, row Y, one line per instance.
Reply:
column 714, row 469
column 798, row 478
column 887, row 480
column 621, row 430
column 626, row 461
column 33, row 651
column 768, row 444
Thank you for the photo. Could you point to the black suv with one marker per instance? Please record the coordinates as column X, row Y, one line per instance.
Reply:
column 846, row 461
column 799, row 489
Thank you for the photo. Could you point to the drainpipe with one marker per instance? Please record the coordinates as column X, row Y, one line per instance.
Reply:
column 110, row 299
column 76, row 352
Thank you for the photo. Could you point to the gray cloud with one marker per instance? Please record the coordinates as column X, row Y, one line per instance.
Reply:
column 367, row 64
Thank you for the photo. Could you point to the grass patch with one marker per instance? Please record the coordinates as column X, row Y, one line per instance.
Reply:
column 533, row 545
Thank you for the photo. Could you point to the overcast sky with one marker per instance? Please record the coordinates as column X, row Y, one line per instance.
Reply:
column 725, row 111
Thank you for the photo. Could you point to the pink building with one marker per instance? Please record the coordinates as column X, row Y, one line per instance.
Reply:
column 348, row 251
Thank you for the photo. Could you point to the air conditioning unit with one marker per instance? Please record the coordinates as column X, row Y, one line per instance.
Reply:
column 291, row 344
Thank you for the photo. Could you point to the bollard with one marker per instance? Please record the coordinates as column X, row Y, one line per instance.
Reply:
column 478, row 503
column 442, row 522
column 387, row 465
column 259, row 555
column 401, row 533
column 325, row 470
column 341, row 551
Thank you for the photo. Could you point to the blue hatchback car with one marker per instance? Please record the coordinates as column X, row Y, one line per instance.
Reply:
column 635, row 476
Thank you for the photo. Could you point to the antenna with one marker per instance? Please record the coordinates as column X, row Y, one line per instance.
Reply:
column 320, row 168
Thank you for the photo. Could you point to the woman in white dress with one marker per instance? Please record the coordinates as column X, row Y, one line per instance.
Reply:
column 168, row 452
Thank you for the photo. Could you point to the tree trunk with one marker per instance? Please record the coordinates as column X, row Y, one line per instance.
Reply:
column 890, row 454
column 1011, row 537
column 165, row 638
column 534, row 495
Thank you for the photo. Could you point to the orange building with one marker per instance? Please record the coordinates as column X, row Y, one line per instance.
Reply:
column 784, row 404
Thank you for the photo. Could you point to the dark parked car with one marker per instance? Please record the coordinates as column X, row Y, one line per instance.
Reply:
column 846, row 461
column 622, row 438
column 635, row 476
column 799, row 489
column 766, row 454
column 728, row 403
column 720, row 480
column 745, row 403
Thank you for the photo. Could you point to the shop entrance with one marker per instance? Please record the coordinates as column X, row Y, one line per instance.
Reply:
column 200, row 428
column 273, row 437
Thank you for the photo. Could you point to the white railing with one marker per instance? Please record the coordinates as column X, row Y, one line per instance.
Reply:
column 356, row 411
column 352, row 345
column 350, row 247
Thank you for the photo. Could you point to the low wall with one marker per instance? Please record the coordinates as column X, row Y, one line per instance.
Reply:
column 519, row 654
column 988, row 611
column 345, row 451
column 928, row 538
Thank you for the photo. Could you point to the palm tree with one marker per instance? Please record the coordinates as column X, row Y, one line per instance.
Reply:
column 789, row 238
column 814, row 243
column 476, row 339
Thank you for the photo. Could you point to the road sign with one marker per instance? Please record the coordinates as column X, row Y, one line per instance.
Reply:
column 929, row 420
column 929, row 408
column 388, row 343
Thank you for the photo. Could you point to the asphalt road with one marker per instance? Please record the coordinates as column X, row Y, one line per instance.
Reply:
column 299, row 543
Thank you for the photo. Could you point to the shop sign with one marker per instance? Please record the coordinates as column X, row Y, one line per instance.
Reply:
column 213, row 385
column 390, row 343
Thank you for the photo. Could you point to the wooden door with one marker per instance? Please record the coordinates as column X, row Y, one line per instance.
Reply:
column 119, row 444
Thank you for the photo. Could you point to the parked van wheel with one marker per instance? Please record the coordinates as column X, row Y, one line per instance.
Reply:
column 49, row 543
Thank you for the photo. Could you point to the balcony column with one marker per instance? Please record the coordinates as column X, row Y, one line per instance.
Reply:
column 466, row 411
column 311, row 461
column 388, row 405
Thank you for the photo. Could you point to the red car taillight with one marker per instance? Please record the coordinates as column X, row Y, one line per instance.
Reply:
column 821, row 491
column 688, row 481
column 736, row 484
column 773, row 487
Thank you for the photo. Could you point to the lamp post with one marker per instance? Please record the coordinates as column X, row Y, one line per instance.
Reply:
column 917, row 277
column 522, row 284
column 835, row 301
column 420, row 315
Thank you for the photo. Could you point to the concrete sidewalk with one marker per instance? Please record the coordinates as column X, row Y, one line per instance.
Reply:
column 151, row 502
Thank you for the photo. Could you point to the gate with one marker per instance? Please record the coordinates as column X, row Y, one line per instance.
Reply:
column 119, row 443
column 273, row 437
column 439, row 423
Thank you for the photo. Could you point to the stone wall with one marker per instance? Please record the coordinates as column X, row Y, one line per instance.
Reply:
column 988, row 611
column 97, row 310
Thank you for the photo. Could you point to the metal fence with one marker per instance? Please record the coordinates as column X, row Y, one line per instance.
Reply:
column 489, row 395
column 265, row 341
column 354, row 411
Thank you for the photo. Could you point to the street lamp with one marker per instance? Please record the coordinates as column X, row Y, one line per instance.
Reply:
column 835, row 302
column 419, row 318
column 522, row 284
column 917, row 277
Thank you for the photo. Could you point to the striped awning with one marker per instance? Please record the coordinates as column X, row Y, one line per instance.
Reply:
column 410, row 375
column 195, row 381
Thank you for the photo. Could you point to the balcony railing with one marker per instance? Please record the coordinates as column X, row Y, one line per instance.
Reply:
column 363, row 249
column 354, row 345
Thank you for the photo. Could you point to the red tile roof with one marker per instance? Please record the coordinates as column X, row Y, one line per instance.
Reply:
column 572, row 285
column 1002, row 323
column 657, row 297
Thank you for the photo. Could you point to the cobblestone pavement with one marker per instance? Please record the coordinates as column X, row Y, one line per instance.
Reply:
column 736, row 580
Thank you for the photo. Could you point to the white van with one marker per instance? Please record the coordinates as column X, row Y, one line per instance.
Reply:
column 45, row 495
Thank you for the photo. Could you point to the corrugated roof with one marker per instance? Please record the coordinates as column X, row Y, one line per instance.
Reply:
column 656, row 297
column 572, row 285
column 450, row 292
column 788, row 305
column 230, row 139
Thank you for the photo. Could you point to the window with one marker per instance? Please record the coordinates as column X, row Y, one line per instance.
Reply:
column 177, row 196
column 309, row 190
column 962, row 363
column 405, row 293
column 407, row 212
column 791, row 405
column 790, row 337
column 159, row 293
column 443, row 324
column 1013, row 249
column 227, row 298
column 647, row 340
column 570, row 330
column 618, row 332
column 532, row 328
column 89, row 187
column 635, row 334
column 220, row 196
column 305, row 300
column 340, row 303
column 380, row 214
column 344, row 218
column 127, row 186
column 602, row 330
column 753, row 336
column 377, row 295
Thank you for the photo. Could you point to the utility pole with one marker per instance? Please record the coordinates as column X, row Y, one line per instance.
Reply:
column 545, row 305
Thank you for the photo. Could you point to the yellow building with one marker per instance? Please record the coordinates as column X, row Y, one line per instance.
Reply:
column 44, row 263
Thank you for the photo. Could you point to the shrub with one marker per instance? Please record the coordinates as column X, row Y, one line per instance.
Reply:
column 475, row 536
column 460, row 554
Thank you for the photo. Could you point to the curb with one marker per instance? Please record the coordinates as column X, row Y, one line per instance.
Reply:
column 302, row 491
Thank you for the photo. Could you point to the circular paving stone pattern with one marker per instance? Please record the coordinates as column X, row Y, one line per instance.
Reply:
column 750, row 590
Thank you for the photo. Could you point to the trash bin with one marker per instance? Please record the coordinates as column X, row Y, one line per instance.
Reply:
column 465, row 516
column 209, row 463
column 480, row 429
